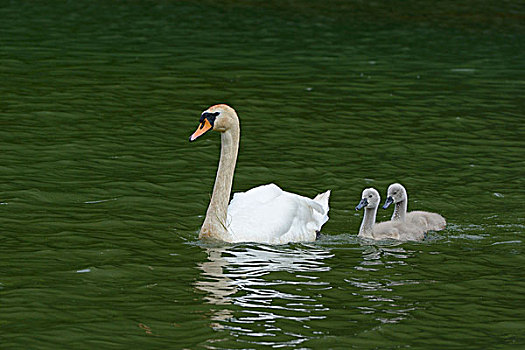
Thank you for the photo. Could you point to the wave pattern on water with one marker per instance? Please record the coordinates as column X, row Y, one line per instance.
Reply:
column 267, row 287
column 102, row 196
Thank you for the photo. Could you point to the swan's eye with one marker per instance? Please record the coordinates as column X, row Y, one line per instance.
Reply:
column 395, row 192
column 210, row 116
column 370, row 196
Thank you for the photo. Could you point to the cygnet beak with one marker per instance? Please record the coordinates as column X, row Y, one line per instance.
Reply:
column 389, row 200
column 362, row 203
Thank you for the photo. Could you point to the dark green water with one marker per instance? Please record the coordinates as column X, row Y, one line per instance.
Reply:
column 102, row 196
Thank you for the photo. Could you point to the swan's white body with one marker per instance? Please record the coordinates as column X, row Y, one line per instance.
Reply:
column 397, row 194
column 369, row 229
column 264, row 214
column 270, row 215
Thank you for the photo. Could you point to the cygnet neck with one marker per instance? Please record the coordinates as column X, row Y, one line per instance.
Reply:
column 400, row 209
column 368, row 222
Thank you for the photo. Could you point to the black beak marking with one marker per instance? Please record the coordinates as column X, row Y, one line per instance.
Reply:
column 362, row 203
column 210, row 116
column 388, row 201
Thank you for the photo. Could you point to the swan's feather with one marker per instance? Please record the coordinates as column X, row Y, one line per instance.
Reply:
column 428, row 220
column 422, row 219
column 270, row 215
column 399, row 230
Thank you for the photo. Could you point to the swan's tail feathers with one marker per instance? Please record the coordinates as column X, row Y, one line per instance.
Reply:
column 322, row 200
column 440, row 224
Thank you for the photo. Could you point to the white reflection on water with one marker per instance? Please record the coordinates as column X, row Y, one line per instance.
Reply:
column 380, row 298
column 261, row 289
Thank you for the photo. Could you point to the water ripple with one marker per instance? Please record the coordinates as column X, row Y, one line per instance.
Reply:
column 260, row 279
column 102, row 196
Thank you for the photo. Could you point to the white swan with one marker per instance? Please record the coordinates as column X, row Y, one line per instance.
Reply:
column 397, row 194
column 264, row 214
column 370, row 200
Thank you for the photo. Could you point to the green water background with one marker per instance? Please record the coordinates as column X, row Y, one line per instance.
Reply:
column 102, row 195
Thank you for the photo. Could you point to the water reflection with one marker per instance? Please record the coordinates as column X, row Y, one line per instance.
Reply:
column 260, row 290
column 278, row 295
column 383, row 256
column 381, row 297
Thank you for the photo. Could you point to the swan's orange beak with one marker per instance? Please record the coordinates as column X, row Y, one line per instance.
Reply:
column 201, row 130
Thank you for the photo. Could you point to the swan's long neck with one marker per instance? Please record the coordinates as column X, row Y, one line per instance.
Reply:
column 400, row 210
column 215, row 225
column 369, row 219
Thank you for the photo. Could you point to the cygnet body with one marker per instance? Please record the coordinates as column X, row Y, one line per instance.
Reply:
column 370, row 201
column 427, row 221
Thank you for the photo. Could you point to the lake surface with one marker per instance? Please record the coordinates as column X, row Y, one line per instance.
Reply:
column 102, row 195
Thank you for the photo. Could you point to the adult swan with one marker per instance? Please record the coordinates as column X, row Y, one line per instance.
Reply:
column 264, row 214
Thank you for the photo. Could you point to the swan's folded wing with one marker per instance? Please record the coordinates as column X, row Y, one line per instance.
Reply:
column 254, row 197
column 432, row 221
column 268, row 214
column 262, row 222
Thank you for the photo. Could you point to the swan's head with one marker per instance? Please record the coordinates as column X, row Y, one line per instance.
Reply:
column 396, row 193
column 370, row 199
column 218, row 117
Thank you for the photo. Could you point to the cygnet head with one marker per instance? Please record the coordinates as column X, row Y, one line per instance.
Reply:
column 370, row 199
column 396, row 193
column 219, row 117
